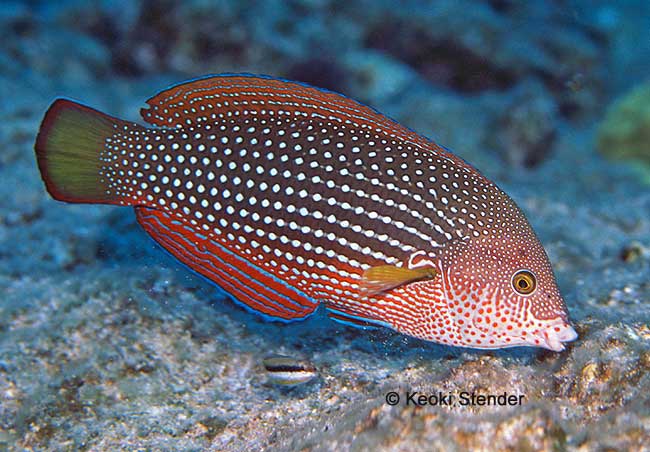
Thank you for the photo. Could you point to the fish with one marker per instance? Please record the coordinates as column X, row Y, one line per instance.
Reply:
column 288, row 371
column 290, row 197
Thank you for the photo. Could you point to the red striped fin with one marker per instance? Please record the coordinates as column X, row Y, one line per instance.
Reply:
column 195, row 101
column 248, row 284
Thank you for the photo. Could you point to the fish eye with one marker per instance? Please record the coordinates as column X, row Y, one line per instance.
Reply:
column 524, row 282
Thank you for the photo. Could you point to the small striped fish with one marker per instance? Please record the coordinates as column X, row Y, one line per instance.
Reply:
column 288, row 196
column 288, row 371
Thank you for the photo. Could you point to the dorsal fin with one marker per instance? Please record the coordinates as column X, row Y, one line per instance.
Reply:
column 253, row 93
column 233, row 94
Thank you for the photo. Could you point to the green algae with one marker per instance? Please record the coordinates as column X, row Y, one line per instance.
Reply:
column 625, row 132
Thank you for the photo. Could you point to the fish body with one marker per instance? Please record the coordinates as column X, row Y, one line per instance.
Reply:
column 288, row 371
column 288, row 196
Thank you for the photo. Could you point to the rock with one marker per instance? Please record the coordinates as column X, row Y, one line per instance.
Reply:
column 524, row 133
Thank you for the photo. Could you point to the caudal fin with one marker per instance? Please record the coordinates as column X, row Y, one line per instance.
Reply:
column 68, row 147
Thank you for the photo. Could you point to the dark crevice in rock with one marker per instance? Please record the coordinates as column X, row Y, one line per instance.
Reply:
column 443, row 62
column 501, row 6
column 323, row 72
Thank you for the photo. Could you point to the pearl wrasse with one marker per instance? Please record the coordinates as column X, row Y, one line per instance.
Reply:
column 288, row 196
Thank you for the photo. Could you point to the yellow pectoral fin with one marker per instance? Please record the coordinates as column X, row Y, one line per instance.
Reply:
column 386, row 277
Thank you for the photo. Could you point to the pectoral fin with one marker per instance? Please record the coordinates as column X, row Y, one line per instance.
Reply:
column 385, row 277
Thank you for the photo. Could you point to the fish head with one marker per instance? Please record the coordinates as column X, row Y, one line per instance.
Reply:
column 501, row 292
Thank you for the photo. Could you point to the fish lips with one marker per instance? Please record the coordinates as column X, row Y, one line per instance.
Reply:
column 554, row 337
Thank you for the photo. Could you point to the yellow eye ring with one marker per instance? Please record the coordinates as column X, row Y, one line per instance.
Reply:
column 524, row 282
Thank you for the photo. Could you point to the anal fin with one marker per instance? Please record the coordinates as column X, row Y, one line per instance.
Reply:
column 248, row 284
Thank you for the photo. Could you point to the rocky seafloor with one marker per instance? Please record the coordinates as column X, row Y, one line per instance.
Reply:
column 108, row 344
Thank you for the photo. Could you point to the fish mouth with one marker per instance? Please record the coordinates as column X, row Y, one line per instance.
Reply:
column 555, row 336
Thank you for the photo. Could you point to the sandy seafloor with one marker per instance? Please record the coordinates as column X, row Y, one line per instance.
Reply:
column 108, row 344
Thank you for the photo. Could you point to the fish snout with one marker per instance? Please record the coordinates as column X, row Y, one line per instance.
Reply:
column 555, row 336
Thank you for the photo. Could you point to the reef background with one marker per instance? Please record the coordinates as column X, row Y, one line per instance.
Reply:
column 108, row 344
